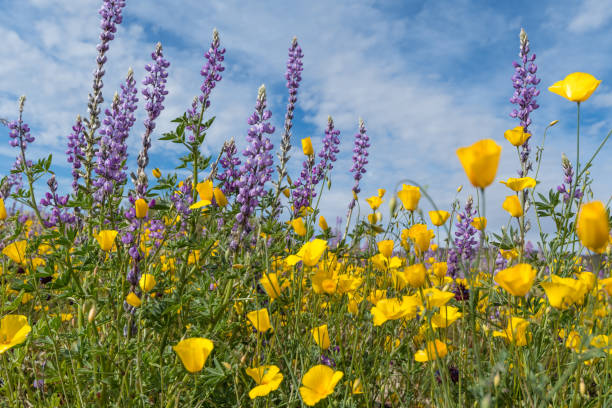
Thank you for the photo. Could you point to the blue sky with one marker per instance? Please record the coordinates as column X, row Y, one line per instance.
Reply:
column 426, row 76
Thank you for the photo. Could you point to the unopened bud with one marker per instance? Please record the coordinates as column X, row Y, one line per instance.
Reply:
column 460, row 188
column 553, row 123
column 582, row 388
column 92, row 314
column 392, row 206
column 496, row 380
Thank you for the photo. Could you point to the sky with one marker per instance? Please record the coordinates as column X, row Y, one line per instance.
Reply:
column 427, row 77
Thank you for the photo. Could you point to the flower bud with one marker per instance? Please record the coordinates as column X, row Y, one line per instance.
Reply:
column 141, row 208
column 92, row 313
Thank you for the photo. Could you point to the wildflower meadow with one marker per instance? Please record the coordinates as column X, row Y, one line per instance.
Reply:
column 221, row 284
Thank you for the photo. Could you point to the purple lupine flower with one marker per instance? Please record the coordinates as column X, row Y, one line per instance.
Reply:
column 211, row 72
column 500, row 262
column 59, row 213
column 154, row 96
column 524, row 82
column 293, row 76
column 466, row 244
column 111, row 17
column 257, row 167
column 112, row 154
column 566, row 186
column 304, row 188
column 75, row 152
column 360, row 159
column 19, row 133
column 229, row 162
column 182, row 199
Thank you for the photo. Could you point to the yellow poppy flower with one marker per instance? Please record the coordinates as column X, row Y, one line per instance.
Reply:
column 3, row 214
column 421, row 237
column 146, row 282
column 559, row 294
column 318, row 383
column 515, row 332
column 409, row 196
column 193, row 352
column 270, row 283
column 480, row 223
column 133, row 300
column 381, row 192
column 310, row 253
column 576, row 87
column 260, row 320
column 432, row 351
column 445, row 317
column 205, row 190
column 480, row 161
column 298, row 226
column 268, row 379
column 220, row 198
column 141, row 207
column 16, row 251
column 393, row 309
column 439, row 269
column 374, row 218
column 415, row 275
column 13, row 331
column 593, row 227
column 321, row 336
column 106, row 239
column 434, row 297
column 307, row 146
column 438, row 217
column 374, row 202
column 516, row 280
column 517, row 136
column 513, row 206
column 156, row 173
column 519, row 184
column 323, row 223
column 386, row 248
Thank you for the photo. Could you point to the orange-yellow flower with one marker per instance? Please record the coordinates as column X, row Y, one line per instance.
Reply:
column 318, row 383
column 517, row 136
column 106, row 239
column 516, row 280
column 438, row 217
column 298, row 226
column 13, row 331
column 386, row 248
column 593, row 227
column 2, row 210
column 267, row 377
column 515, row 332
column 480, row 223
column 480, row 161
column 141, row 207
column 307, row 146
column 323, row 223
column 260, row 320
column 519, row 184
column 147, row 282
column 193, row 352
column 432, row 351
column 513, row 206
column 321, row 336
column 576, row 87
column 409, row 196
column 16, row 251
column 421, row 237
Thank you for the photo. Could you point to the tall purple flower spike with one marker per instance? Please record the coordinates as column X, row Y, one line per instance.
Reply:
column 293, row 76
column 211, row 72
column 524, row 82
column 466, row 244
column 360, row 159
column 112, row 154
column 154, row 94
column 76, row 151
column 257, row 167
